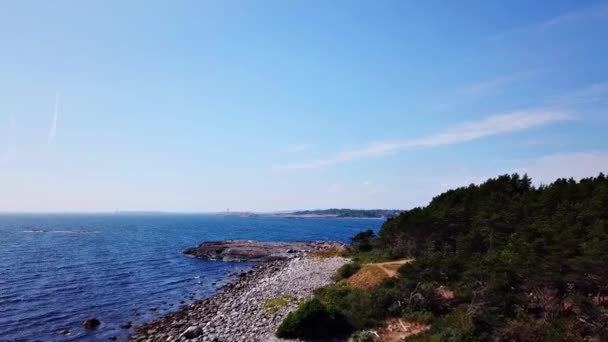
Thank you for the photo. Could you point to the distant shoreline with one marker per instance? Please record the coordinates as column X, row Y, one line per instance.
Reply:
column 293, row 216
column 317, row 213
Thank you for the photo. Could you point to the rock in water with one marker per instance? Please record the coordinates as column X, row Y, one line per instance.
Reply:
column 126, row 325
column 192, row 332
column 91, row 323
column 249, row 250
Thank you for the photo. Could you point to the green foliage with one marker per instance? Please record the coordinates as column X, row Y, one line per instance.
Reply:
column 360, row 308
column 513, row 254
column 457, row 326
column 312, row 320
column 362, row 241
column 371, row 256
column 525, row 263
column 424, row 317
column 347, row 270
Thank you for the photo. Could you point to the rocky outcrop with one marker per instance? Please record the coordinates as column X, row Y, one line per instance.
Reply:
column 249, row 250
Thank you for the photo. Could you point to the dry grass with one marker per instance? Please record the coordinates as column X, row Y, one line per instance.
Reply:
column 327, row 253
column 445, row 293
column 395, row 330
column 371, row 275
column 393, row 267
column 368, row 277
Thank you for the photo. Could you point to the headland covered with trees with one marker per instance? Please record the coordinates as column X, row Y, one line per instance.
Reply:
column 500, row 261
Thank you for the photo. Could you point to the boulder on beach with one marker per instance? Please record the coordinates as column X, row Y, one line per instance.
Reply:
column 91, row 323
column 192, row 332
column 249, row 250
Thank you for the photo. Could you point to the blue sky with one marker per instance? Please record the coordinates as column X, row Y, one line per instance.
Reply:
column 278, row 105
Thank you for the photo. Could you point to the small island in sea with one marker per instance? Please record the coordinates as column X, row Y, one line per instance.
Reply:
column 343, row 213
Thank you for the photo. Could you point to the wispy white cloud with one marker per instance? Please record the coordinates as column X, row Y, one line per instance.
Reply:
column 593, row 93
column 491, row 85
column 55, row 119
column 579, row 15
column 595, row 11
column 464, row 94
column 297, row 148
column 493, row 125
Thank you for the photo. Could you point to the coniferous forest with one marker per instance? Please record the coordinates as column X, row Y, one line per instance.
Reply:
column 520, row 263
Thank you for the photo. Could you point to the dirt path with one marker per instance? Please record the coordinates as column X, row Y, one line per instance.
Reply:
column 391, row 267
column 395, row 330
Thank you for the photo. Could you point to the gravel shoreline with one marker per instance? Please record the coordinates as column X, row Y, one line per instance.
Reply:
column 238, row 311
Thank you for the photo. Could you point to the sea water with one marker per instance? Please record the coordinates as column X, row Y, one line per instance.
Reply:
column 57, row 270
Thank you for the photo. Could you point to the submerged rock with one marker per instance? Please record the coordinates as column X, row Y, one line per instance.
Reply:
column 91, row 323
column 126, row 325
column 249, row 250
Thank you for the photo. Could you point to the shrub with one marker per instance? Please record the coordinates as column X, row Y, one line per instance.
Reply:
column 361, row 308
column 363, row 336
column 362, row 241
column 347, row 270
column 423, row 317
column 312, row 320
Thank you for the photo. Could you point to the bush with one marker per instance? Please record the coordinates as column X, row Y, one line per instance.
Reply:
column 363, row 336
column 347, row 270
column 361, row 308
column 362, row 241
column 312, row 320
column 423, row 317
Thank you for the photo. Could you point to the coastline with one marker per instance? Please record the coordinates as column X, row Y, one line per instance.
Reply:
column 249, row 308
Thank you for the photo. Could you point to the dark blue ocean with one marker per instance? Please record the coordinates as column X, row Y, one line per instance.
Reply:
column 121, row 268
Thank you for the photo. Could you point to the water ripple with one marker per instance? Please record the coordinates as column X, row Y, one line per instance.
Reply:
column 50, row 282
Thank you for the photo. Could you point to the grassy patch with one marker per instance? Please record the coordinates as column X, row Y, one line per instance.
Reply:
column 328, row 253
column 274, row 304
column 368, row 277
